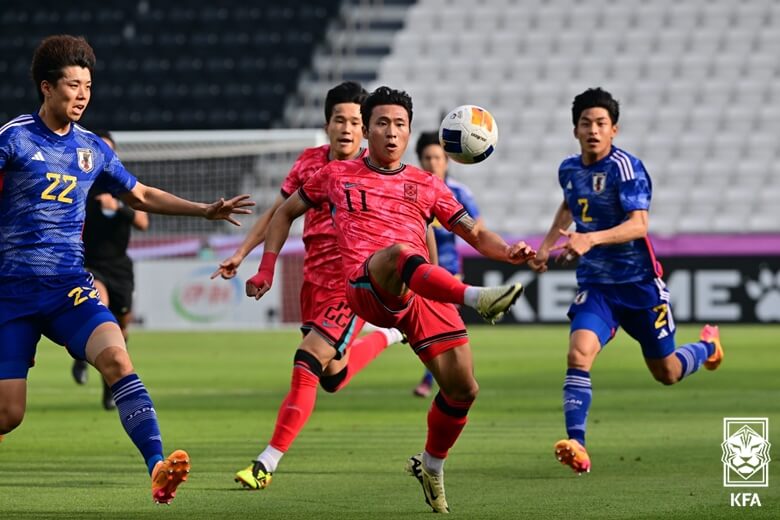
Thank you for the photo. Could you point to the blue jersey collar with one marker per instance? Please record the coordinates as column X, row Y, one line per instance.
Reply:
column 48, row 131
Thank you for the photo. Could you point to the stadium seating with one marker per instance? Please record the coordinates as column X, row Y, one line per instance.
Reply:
column 699, row 82
column 175, row 64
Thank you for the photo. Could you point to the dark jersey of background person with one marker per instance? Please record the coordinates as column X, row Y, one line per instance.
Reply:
column 106, row 234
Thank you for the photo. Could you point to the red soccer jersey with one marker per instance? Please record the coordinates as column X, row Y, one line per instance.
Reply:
column 322, row 263
column 376, row 208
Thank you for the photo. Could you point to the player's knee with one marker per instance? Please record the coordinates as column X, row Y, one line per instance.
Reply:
column 466, row 392
column 114, row 364
column 579, row 358
column 665, row 376
column 10, row 419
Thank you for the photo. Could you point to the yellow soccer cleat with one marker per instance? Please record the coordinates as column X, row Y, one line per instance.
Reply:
column 494, row 302
column 433, row 485
column 711, row 334
column 168, row 474
column 570, row 452
column 254, row 477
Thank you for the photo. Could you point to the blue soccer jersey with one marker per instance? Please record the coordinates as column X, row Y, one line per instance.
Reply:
column 445, row 240
column 600, row 196
column 44, row 181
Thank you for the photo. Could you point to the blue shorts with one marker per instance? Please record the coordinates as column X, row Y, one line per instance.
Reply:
column 641, row 308
column 64, row 309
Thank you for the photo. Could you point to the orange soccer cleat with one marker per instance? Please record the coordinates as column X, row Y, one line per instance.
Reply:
column 570, row 452
column 168, row 474
column 711, row 334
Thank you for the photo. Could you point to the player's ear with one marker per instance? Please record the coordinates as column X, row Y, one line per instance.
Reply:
column 365, row 132
column 615, row 130
column 46, row 88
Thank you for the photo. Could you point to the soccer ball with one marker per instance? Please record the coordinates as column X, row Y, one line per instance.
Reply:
column 468, row 134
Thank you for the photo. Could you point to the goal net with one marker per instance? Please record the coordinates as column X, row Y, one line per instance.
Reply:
column 203, row 166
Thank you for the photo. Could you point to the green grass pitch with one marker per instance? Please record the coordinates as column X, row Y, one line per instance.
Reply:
column 655, row 450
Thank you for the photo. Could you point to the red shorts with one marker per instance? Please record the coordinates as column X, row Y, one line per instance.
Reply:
column 326, row 312
column 431, row 327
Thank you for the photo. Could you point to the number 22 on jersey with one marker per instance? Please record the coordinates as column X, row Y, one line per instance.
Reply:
column 56, row 180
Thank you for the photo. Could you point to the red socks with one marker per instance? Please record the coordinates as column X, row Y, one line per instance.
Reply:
column 446, row 419
column 428, row 280
column 297, row 406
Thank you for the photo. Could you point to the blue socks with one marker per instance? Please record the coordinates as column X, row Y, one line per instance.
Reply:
column 136, row 412
column 693, row 355
column 577, row 395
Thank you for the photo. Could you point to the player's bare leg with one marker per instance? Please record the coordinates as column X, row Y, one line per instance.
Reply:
column 13, row 402
column 80, row 368
column 666, row 370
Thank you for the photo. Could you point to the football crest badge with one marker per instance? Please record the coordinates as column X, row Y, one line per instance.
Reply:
column 410, row 192
column 599, row 182
column 85, row 159
column 745, row 452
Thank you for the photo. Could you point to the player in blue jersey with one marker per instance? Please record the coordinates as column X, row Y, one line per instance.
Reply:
column 606, row 193
column 48, row 164
column 433, row 159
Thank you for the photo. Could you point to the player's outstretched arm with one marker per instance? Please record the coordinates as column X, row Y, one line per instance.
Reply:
column 491, row 244
column 577, row 244
column 561, row 221
column 155, row 200
column 228, row 268
column 276, row 236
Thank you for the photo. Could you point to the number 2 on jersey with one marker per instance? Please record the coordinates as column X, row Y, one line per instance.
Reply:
column 56, row 179
column 584, row 203
column 662, row 311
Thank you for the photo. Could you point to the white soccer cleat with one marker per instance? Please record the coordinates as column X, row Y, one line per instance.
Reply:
column 433, row 485
column 494, row 302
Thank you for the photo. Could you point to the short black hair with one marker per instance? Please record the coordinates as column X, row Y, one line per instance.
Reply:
column 346, row 92
column 54, row 53
column 426, row 139
column 385, row 96
column 593, row 98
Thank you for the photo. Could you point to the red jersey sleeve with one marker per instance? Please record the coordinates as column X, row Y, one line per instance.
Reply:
column 314, row 191
column 310, row 160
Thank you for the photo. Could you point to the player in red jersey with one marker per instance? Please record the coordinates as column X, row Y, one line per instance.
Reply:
column 323, row 302
column 380, row 208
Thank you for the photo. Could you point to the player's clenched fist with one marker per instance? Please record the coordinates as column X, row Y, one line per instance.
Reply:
column 520, row 253
column 257, row 286
column 261, row 282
